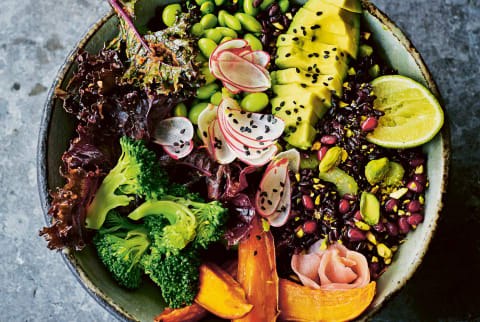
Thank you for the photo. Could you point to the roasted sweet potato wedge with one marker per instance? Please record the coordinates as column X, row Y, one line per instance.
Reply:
column 220, row 294
column 189, row 313
column 301, row 303
column 257, row 273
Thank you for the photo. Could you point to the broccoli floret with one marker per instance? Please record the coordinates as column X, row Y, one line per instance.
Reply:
column 121, row 245
column 211, row 218
column 175, row 231
column 179, row 190
column 136, row 173
column 176, row 274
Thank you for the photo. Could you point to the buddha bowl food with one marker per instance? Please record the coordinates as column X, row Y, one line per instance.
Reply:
column 253, row 160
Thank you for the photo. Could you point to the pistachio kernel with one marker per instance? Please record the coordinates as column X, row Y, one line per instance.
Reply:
column 383, row 251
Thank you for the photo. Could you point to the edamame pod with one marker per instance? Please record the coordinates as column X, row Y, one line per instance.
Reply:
column 209, row 78
column 207, row 7
column 253, row 41
column 266, row 3
column 219, row 2
column 232, row 22
column 248, row 22
column 224, row 39
column 205, row 92
column 227, row 32
column 200, row 58
column 169, row 14
column 214, row 35
column 284, row 5
column 195, row 112
column 180, row 110
column 207, row 46
column 216, row 98
column 197, row 29
column 221, row 17
column 208, row 21
column 254, row 102
column 249, row 9
column 200, row 2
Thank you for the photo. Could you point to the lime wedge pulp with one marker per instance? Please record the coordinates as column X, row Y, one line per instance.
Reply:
column 412, row 117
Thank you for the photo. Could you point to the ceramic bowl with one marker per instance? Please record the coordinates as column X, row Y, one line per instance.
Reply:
column 57, row 129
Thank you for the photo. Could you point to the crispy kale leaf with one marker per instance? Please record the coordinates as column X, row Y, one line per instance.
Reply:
column 163, row 61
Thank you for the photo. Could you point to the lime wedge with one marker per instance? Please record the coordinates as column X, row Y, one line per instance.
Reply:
column 412, row 117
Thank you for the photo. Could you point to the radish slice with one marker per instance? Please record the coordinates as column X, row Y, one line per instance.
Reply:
column 173, row 131
column 293, row 157
column 257, row 57
column 271, row 189
column 242, row 73
column 230, row 88
column 256, row 126
column 221, row 150
column 282, row 213
column 233, row 88
column 178, row 152
column 231, row 44
column 257, row 159
column 204, row 120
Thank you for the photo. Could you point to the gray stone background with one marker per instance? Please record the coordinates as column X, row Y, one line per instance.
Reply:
column 36, row 36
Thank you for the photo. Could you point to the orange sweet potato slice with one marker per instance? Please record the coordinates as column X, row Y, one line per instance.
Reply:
column 301, row 303
column 221, row 294
column 191, row 313
column 257, row 273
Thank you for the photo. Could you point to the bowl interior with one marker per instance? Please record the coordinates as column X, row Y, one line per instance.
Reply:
column 145, row 303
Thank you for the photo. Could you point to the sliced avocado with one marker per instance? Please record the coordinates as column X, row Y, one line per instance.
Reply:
column 311, row 47
column 369, row 208
column 345, row 183
column 318, row 62
column 395, row 174
column 297, row 90
column 308, row 107
column 300, row 136
column 326, row 18
column 376, row 170
column 300, row 76
column 349, row 5
column 309, row 162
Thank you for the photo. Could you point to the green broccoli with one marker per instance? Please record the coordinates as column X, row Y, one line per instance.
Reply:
column 211, row 218
column 176, row 274
column 136, row 173
column 179, row 190
column 121, row 245
column 179, row 231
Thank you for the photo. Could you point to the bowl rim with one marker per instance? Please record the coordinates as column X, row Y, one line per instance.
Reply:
column 42, row 152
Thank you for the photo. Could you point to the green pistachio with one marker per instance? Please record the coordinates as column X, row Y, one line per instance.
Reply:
column 332, row 158
column 369, row 208
column 395, row 175
column 376, row 170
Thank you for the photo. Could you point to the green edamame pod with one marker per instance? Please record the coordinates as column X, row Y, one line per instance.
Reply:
column 226, row 93
column 249, row 9
column 224, row 39
column 200, row 2
column 284, row 5
column 209, row 78
column 216, row 98
column 266, row 3
column 207, row 46
column 214, row 35
column 227, row 32
column 197, row 29
column 219, row 2
column 248, row 22
column 253, row 41
column 208, row 21
column 205, row 92
column 221, row 18
column 207, row 7
column 254, row 102
column 169, row 14
column 195, row 112
column 232, row 22
column 180, row 110
column 200, row 58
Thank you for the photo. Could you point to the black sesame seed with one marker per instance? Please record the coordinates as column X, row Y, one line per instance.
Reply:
column 299, row 119
column 283, row 38
column 288, row 55
column 182, row 131
column 324, row 83
column 288, row 112
column 259, row 138
column 255, row 253
column 330, row 78
column 267, row 129
column 297, row 70
column 270, row 202
column 295, row 110
column 235, row 121
column 282, row 103
column 278, row 108
column 205, row 134
column 314, row 38
column 294, row 31
column 295, row 38
column 319, row 13
column 303, row 85
column 258, row 237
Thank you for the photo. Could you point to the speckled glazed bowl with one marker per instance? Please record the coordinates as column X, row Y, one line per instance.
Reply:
column 144, row 304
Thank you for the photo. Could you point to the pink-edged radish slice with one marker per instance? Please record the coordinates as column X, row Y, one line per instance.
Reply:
column 238, row 139
column 173, row 131
column 180, row 151
column 282, row 213
column 242, row 73
column 221, row 150
column 214, row 70
column 231, row 44
column 230, row 88
column 256, row 126
column 256, row 159
column 204, row 120
column 257, row 57
column 293, row 157
column 271, row 187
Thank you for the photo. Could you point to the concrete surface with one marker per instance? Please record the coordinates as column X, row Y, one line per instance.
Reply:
column 36, row 36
